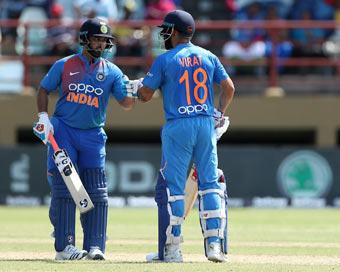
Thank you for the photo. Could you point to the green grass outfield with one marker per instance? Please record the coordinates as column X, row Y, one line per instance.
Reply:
column 259, row 240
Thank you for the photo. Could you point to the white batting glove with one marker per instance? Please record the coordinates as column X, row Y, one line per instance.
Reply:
column 43, row 127
column 222, row 129
column 131, row 87
column 218, row 116
column 221, row 123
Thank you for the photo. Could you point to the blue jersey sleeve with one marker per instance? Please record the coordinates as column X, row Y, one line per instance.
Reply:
column 220, row 73
column 53, row 78
column 117, row 89
column 153, row 78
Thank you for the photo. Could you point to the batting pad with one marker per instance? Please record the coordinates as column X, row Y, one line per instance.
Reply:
column 94, row 222
column 62, row 212
column 168, row 223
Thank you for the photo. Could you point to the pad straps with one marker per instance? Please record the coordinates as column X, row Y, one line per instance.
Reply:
column 206, row 214
column 174, row 220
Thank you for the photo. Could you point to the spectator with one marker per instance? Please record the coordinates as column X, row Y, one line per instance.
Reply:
column 44, row 4
column 130, row 41
column 332, row 46
column 157, row 9
column 231, row 5
column 104, row 9
column 134, row 8
column 11, row 10
column 69, row 10
column 307, row 42
column 60, row 38
column 247, row 44
column 284, row 46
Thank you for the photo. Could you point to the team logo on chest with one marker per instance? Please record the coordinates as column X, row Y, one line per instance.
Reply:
column 100, row 76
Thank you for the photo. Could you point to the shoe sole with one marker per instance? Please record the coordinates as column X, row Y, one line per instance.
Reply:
column 165, row 260
column 64, row 259
column 217, row 259
column 98, row 257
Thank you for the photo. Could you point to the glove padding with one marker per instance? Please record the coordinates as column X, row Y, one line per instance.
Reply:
column 221, row 123
column 223, row 128
column 131, row 87
column 43, row 127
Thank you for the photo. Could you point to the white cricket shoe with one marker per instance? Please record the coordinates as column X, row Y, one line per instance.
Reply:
column 70, row 253
column 95, row 254
column 215, row 253
column 173, row 254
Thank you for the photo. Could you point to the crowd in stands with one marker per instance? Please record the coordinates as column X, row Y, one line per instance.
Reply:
column 245, row 44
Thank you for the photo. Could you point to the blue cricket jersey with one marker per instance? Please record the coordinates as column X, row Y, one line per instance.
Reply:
column 84, row 89
column 186, row 75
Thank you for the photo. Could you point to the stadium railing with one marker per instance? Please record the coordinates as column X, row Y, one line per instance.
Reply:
column 272, row 77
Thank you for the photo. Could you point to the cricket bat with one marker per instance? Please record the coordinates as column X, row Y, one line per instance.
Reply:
column 190, row 191
column 71, row 177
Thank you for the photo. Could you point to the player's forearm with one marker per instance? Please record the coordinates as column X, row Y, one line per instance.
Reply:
column 145, row 94
column 42, row 100
column 226, row 95
column 127, row 103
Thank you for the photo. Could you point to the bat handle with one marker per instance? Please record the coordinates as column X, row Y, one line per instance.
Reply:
column 53, row 142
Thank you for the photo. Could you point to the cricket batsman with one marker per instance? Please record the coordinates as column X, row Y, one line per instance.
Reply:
column 185, row 74
column 85, row 82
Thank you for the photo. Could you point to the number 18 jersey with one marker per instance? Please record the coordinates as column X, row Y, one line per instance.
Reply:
column 186, row 75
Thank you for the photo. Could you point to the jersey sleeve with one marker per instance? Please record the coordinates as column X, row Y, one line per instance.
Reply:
column 117, row 88
column 153, row 78
column 220, row 73
column 53, row 78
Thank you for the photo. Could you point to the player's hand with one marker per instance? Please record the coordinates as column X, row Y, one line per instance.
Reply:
column 219, row 118
column 221, row 123
column 223, row 128
column 43, row 127
column 131, row 87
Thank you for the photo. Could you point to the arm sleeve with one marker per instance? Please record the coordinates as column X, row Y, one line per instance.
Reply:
column 53, row 78
column 117, row 88
column 153, row 78
column 220, row 73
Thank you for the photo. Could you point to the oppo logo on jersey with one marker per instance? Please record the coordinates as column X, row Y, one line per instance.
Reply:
column 81, row 87
column 76, row 96
column 192, row 109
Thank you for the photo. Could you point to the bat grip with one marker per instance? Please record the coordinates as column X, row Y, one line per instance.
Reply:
column 53, row 142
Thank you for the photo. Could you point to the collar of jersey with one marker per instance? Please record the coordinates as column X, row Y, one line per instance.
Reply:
column 183, row 45
column 86, row 60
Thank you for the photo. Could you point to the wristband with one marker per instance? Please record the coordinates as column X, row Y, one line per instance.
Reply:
column 218, row 114
column 43, row 116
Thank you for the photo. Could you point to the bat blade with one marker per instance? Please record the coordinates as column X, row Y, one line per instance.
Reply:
column 190, row 191
column 71, row 178
column 75, row 186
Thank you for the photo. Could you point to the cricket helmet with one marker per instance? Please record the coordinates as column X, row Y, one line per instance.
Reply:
column 98, row 28
column 180, row 20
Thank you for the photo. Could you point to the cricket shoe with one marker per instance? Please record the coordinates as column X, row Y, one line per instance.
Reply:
column 215, row 253
column 173, row 254
column 70, row 253
column 95, row 254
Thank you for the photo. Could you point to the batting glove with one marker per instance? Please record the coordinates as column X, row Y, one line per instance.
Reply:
column 131, row 87
column 219, row 118
column 221, row 130
column 43, row 127
column 221, row 123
